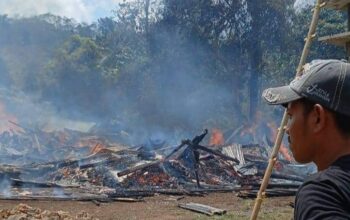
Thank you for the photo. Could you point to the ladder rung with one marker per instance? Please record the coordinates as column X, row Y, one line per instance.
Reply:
column 337, row 39
column 336, row 4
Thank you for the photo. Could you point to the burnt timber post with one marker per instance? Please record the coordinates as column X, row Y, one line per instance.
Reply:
column 342, row 39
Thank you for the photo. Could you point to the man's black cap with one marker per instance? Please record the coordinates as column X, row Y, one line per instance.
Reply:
column 326, row 82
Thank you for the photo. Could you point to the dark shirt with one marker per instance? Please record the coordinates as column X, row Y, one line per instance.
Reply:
column 326, row 194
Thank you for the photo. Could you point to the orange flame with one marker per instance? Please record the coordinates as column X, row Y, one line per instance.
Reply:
column 283, row 149
column 252, row 130
column 217, row 137
column 153, row 179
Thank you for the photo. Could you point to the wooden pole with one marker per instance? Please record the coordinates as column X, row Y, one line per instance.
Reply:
column 347, row 44
column 273, row 158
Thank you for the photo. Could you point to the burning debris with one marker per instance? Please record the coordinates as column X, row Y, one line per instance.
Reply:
column 72, row 165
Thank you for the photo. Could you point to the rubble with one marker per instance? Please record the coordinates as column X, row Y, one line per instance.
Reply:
column 72, row 165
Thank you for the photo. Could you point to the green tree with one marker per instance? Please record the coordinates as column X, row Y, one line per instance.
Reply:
column 73, row 76
column 266, row 30
column 27, row 44
column 330, row 22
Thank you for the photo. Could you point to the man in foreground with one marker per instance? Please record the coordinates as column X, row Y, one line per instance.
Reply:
column 318, row 106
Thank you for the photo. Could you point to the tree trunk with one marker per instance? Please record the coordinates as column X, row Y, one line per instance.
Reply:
column 254, row 81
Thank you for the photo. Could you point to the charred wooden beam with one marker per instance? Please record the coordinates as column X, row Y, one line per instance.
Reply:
column 207, row 188
column 105, row 162
column 268, row 193
column 283, row 176
column 276, row 185
column 27, row 183
column 131, row 193
column 175, row 150
column 128, row 200
column 139, row 167
column 144, row 166
column 81, row 162
column 171, row 191
column 151, row 191
column 256, row 158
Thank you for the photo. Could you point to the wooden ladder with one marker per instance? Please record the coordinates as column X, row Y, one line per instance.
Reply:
column 342, row 39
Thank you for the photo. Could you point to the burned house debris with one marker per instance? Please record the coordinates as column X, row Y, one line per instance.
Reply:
column 74, row 165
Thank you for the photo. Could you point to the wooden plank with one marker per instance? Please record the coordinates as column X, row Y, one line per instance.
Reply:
column 208, row 210
column 337, row 39
column 337, row 4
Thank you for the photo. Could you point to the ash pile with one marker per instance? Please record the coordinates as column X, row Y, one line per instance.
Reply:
column 72, row 165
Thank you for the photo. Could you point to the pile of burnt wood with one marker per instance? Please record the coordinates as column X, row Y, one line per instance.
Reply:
column 71, row 165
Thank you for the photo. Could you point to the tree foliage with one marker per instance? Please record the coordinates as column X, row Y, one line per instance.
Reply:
column 176, row 64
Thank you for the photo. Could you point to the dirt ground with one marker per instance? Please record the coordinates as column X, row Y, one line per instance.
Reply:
column 166, row 207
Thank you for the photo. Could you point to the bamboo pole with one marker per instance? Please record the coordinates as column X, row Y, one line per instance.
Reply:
column 273, row 158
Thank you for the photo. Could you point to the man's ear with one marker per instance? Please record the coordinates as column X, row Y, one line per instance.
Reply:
column 318, row 118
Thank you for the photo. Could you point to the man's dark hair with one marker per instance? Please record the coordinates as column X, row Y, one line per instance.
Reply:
column 342, row 121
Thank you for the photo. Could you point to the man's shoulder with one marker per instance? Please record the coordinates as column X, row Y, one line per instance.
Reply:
column 318, row 185
column 328, row 190
column 332, row 180
column 338, row 174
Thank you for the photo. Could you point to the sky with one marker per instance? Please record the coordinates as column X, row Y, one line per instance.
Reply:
column 81, row 10
column 302, row 3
